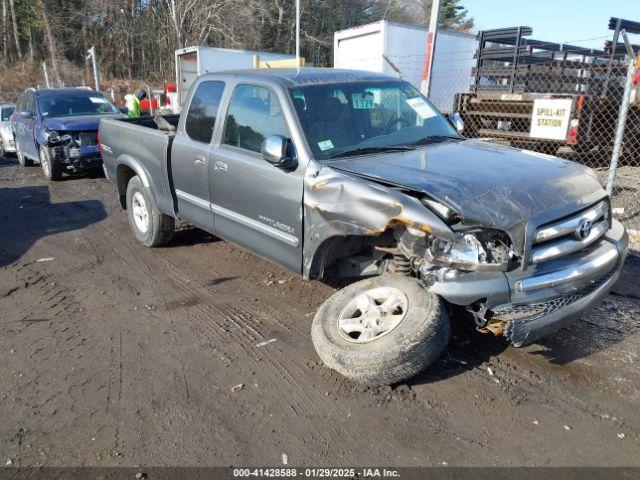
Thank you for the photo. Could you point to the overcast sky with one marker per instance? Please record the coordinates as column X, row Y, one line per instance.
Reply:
column 560, row 21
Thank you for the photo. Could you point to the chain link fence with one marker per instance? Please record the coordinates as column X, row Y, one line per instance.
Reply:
column 585, row 112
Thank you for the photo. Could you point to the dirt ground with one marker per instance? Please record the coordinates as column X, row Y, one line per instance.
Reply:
column 114, row 354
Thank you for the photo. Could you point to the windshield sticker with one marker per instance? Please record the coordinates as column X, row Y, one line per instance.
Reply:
column 325, row 145
column 421, row 107
column 362, row 101
column 98, row 100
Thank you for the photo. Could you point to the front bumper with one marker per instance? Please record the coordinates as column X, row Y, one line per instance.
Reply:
column 78, row 158
column 525, row 305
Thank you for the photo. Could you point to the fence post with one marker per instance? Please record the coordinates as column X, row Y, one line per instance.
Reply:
column 622, row 118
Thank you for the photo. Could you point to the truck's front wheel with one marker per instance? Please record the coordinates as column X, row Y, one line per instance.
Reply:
column 381, row 330
column 151, row 227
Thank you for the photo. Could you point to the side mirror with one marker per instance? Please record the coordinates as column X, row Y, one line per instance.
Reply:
column 26, row 114
column 276, row 150
column 456, row 120
column 124, row 110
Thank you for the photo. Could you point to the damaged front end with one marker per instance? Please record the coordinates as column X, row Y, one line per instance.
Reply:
column 76, row 150
column 412, row 231
column 357, row 226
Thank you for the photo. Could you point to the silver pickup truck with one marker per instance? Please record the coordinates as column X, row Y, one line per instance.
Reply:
column 355, row 176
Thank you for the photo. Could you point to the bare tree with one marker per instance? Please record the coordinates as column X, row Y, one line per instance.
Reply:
column 5, row 37
column 16, row 34
column 51, row 40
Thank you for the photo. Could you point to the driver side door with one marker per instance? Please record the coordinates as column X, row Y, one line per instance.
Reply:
column 256, row 204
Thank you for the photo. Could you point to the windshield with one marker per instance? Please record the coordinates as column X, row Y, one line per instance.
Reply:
column 6, row 113
column 67, row 105
column 367, row 116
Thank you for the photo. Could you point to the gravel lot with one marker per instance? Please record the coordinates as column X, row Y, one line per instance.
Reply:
column 113, row 354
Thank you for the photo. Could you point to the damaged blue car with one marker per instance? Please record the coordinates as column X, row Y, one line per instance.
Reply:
column 58, row 129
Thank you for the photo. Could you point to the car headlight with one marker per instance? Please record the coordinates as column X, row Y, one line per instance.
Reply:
column 478, row 250
column 51, row 136
column 7, row 129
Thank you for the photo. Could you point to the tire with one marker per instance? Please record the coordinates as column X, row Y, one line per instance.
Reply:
column 22, row 160
column 142, row 210
column 416, row 341
column 51, row 169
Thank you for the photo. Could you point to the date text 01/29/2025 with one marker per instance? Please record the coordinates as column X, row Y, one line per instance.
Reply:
column 316, row 472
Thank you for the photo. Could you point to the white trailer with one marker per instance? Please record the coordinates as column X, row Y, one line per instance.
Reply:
column 401, row 50
column 191, row 62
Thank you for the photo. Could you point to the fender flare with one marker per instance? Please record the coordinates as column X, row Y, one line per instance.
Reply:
column 130, row 162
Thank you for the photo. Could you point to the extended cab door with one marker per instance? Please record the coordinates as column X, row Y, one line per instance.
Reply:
column 257, row 205
column 190, row 155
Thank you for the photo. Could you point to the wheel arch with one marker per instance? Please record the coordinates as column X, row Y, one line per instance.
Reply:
column 126, row 169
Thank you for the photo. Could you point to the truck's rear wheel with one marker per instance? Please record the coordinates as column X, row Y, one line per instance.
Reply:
column 151, row 227
column 381, row 330
column 51, row 169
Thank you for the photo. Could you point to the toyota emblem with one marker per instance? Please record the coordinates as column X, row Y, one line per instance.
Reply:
column 583, row 230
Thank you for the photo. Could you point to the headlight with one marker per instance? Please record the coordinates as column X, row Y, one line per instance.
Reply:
column 478, row 250
column 7, row 129
column 51, row 136
column 467, row 249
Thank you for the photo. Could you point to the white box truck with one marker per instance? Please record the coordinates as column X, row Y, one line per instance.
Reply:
column 191, row 62
column 401, row 50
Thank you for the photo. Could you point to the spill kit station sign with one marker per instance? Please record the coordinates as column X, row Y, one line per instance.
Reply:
column 550, row 118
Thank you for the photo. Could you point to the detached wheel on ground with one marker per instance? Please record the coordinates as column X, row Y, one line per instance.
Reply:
column 51, row 169
column 381, row 330
column 151, row 227
column 22, row 160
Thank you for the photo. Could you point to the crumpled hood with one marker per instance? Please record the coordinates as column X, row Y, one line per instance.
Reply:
column 487, row 184
column 75, row 123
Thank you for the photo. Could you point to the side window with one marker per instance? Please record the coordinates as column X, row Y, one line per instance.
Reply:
column 254, row 114
column 201, row 117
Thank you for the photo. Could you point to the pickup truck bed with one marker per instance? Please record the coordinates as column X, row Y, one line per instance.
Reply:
column 150, row 152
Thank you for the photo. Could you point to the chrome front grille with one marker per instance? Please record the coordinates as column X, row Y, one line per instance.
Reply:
column 531, row 311
column 570, row 234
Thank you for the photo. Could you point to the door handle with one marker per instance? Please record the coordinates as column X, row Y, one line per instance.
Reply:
column 200, row 160
column 221, row 166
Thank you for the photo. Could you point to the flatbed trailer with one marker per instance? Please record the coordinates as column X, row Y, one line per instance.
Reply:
column 543, row 96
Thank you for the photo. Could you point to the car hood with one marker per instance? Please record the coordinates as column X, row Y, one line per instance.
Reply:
column 75, row 123
column 486, row 184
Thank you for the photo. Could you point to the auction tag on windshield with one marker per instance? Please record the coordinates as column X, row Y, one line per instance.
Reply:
column 362, row 101
column 325, row 145
column 421, row 107
column 98, row 99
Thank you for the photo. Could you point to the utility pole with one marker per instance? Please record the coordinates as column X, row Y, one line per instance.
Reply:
column 94, row 62
column 431, row 46
column 46, row 74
